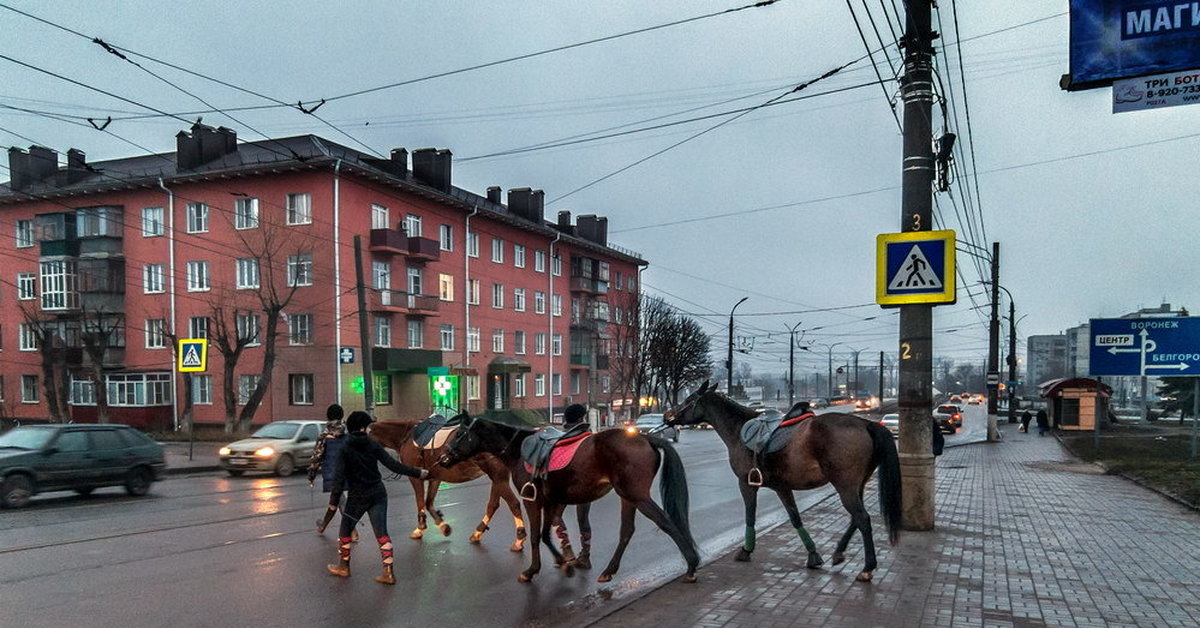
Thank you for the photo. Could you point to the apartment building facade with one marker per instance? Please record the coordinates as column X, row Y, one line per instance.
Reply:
column 107, row 264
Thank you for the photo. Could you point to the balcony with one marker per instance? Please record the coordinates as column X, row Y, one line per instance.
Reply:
column 584, row 284
column 60, row 248
column 389, row 241
column 424, row 249
column 400, row 302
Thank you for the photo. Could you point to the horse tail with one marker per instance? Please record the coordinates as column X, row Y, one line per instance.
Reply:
column 888, row 462
column 673, row 487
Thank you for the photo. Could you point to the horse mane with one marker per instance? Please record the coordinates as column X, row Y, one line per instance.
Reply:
column 392, row 429
column 732, row 405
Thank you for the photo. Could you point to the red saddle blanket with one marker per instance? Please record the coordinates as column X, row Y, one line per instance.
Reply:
column 796, row 419
column 563, row 452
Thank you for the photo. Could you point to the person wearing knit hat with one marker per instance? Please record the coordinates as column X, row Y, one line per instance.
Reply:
column 325, row 455
column 576, row 414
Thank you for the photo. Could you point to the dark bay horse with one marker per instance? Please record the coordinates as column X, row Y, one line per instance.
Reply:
column 610, row 460
column 398, row 436
column 833, row 448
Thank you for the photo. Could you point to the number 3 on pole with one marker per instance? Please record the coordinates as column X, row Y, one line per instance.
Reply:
column 916, row 222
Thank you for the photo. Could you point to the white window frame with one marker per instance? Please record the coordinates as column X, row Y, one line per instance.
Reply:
column 556, row 265
column 556, row 304
column 298, row 208
column 381, row 275
column 446, row 337
column 202, row 389
column 26, row 286
column 556, row 342
column 300, row 329
column 60, row 290
column 446, row 237
column 23, row 234
column 152, row 222
column 497, row 341
column 519, row 341
column 245, row 213
column 519, row 255
column 153, row 279
column 539, row 343
column 413, row 226
column 472, row 244
column 446, row 287
column 473, row 339
column 519, row 385
column 246, row 385
column 539, row 302
column 472, row 382
column 156, row 333
column 473, row 292
column 30, row 391
column 300, row 389
column 197, row 217
column 198, row 327
column 27, row 337
column 539, row 261
column 247, row 273
column 556, row 384
column 498, row 250
column 380, row 217
column 498, row 296
column 416, row 334
column 244, row 323
column 539, row 385
column 381, row 331
column 198, row 277
column 300, row 270
column 518, row 299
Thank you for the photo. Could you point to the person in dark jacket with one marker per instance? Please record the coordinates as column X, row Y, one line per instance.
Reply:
column 1043, row 423
column 325, row 455
column 939, row 439
column 576, row 414
column 357, row 471
column 1026, row 418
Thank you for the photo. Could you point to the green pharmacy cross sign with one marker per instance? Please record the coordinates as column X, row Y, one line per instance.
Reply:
column 443, row 390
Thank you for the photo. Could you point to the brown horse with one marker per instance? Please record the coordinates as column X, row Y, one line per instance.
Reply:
column 607, row 461
column 832, row 448
column 398, row 436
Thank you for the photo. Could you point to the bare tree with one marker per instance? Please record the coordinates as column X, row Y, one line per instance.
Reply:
column 682, row 356
column 52, row 341
column 230, row 339
column 655, row 318
column 101, row 332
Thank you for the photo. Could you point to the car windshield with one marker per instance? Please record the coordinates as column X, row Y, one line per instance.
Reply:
column 947, row 409
column 26, row 438
column 650, row 419
column 891, row 417
column 281, row 429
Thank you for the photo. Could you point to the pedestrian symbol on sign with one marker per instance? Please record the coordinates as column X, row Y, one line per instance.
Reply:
column 193, row 355
column 915, row 272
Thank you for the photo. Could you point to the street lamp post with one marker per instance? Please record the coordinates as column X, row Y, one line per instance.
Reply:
column 729, row 360
column 792, row 365
column 1012, row 352
column 830, row 380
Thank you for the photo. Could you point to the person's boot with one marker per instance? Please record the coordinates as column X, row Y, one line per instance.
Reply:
column 342, row 569
column 323, row 522
column 385, row 551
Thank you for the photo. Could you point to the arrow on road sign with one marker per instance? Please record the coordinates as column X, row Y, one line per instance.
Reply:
column 1178, row 367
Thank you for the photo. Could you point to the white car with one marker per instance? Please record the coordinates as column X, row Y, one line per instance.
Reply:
column 280, row 447
column 892, row 422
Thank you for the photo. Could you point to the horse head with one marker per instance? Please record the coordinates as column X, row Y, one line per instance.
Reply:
column 691, row 411
column 464, row 443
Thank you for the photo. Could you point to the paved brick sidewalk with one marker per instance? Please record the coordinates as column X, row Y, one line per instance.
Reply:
column 1025, row 537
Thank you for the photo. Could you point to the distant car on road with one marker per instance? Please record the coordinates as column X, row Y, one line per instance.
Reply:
column 977, row 400
column 892, row 422
column 948, row 417
column 81, row 458
column 818, row 403
column 280, row 447
column 653, row 424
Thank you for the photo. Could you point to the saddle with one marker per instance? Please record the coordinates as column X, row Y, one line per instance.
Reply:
column 549, row 449
column 768, row 433
column 433, row 432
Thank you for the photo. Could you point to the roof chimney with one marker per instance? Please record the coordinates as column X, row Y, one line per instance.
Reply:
column 400, row 161
column 564, row 221
column 602, row 230
column 43, row 163
column 203, row 145
column 77, row 168
column 18, row 169
column 493, row 194
column 432, row 167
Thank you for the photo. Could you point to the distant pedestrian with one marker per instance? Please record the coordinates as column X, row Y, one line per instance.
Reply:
column 939, row 440
column 1043, row 423
column 1025, row 419
column 325, row 455
column 357, row 471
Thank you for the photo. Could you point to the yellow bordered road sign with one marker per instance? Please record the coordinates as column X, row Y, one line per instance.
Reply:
column 915, row 267
column 192, row 355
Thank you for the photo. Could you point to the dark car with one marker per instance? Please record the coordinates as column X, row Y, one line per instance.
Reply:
column 655, row 425
column 948, row 417
column 82, row 458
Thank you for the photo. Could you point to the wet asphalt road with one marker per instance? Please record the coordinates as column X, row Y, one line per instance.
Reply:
column 208, row 551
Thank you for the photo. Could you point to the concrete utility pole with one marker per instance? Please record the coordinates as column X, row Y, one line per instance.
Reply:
column 364, row 338
column 993, row 365
column 916, row 320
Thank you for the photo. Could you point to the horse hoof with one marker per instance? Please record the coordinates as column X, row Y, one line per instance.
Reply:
column 476, row 537
column 604, row 577
column 569, row 570
column 838, row 558
column 521, row 535
column 524, row 577
column 814, row 561
column 864, row 577
column 416, row 534
column 742, row 556
column 517, row 546
column 445, row 528
column 689, row 578
column 583, row 562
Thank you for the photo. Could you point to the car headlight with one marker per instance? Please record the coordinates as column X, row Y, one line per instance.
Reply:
column 631, row 429
column 265, row 452
column 224, row 451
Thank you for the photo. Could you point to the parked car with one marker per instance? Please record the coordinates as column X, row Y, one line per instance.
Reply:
column 653, row 424
column 279, row 447
column 948, row 417
column 40, row 458
column 977, row 400
column 892, row 422
column 818, row 403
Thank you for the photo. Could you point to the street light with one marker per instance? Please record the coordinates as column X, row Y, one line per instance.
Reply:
column 1012, row 351
column 729, row 360
column 829, row 375
column 792, row 365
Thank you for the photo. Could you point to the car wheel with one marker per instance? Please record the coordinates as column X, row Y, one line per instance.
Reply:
column 138, row 482
column 237, row 473
column 85, row 491
column 285, row 466
column 16, row 491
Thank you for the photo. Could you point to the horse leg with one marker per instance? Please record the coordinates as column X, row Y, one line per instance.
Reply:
column 437, row 514
column 564, row 539
column 839, row 553
column 750, row 501
column 860, row 520
column 627, row 512
column 584, row 560
column 419, row 492
column 655, row 513
column 505, row 492
column 789, row 503
column 492, row 504
column 534, row 510
column 553, row 519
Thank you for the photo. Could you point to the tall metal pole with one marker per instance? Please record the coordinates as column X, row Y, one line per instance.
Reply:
column 729, row 360
column 792, row 365
column 364, row 339
column 1012, row 358
column 881, row 378
column 916, row 320
column 993, row 365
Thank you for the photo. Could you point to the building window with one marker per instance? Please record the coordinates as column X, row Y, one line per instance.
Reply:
column 26, row 286
column 299, row 209
column 519, row 255
column 197, row 277
column 473, row 339
column 416, row 334
column 539, row 261
column 59, row 288
column 629, row 285
column 247, row 273
column 202, row 389
column 379, row 217
column 498, row 250
column 300, row 329
column 412, row 226
column 539, row 385
column 245, row 213
column 198, row 327
column 153, row 281
column 300, row 272
column 539, row 302
column 24, row 234
column 446, row 237
column 197, row 217
column 473, row 292
column 416, row 281
column 576, row 382
column 617, row 277
column 556, row 384
column 556, row 345
column 556, row 265
column 152, row 222
column 445, row 287
column 519, row 342
column 300, row 389
column 556, row 304
column 139, row 389
column 498, row 295
column 539, row 343
column 28, row 340
column 473, row 244
column 381, row 275
column 472, row 387
column 519, row 299
column 498, row 341
column 246, row 386
column 383, row 331
column 156, row 333
column 247, row 329
column 446, row 334
column 519, row 385
column 383, row 389
column 83, row 392
column 29, row 389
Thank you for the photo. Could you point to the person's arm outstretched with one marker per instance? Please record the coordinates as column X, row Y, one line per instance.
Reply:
column 388, row 461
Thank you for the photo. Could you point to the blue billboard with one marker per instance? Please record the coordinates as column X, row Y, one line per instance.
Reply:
column 1165, row 347
column 1114, row 39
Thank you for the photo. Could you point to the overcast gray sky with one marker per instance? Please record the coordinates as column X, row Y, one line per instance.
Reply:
column 1095, row 212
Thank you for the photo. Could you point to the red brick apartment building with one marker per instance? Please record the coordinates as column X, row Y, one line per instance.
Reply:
column 106, row 263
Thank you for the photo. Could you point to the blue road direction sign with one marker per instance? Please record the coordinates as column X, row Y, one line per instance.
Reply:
column 1166, row 347
column 914, row 267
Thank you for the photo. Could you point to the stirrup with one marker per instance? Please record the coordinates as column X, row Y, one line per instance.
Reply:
column 754, row 478
column 529, row 492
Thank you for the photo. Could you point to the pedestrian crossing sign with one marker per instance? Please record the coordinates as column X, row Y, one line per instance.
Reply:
column 192, row 356
column 915, row 267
